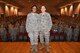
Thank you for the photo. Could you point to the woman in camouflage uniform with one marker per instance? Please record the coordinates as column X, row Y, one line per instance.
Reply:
column 32, row 28
column 45, row 27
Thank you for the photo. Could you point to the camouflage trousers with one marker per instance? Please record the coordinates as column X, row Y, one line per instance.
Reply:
column 33, row 38
column 44, row 36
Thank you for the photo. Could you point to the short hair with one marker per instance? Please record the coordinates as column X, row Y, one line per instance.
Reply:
column 43, row 6
column 33, row 6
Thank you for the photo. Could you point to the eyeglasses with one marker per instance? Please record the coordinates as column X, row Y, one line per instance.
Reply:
column 34, row 8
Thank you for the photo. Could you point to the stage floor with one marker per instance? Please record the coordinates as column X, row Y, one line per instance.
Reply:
column 25, row 47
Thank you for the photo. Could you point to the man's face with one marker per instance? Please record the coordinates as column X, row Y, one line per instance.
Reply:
column 34, row 9
column 43, row 9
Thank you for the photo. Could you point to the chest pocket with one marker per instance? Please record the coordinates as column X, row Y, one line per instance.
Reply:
column 33, row 20
column 44, row 19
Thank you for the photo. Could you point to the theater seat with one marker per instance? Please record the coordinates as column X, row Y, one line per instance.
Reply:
column 0, row 38
column 26, row 36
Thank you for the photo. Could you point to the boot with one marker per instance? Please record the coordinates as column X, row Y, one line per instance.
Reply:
column 35, row 47
column 47, row 48
column 42, row 46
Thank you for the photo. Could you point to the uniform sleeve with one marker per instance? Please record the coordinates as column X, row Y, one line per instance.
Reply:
column 50, row 22
column 27, row 23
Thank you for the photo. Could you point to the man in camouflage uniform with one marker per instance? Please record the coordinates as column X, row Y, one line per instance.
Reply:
column 45, row 27
column 13, row 32
column 76, row 33
column 22, row 29
column 61, row 31
column 3, row 33
column 69, row 33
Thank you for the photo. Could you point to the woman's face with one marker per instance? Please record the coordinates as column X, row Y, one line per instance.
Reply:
column 43, row 9
column 34, row 9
